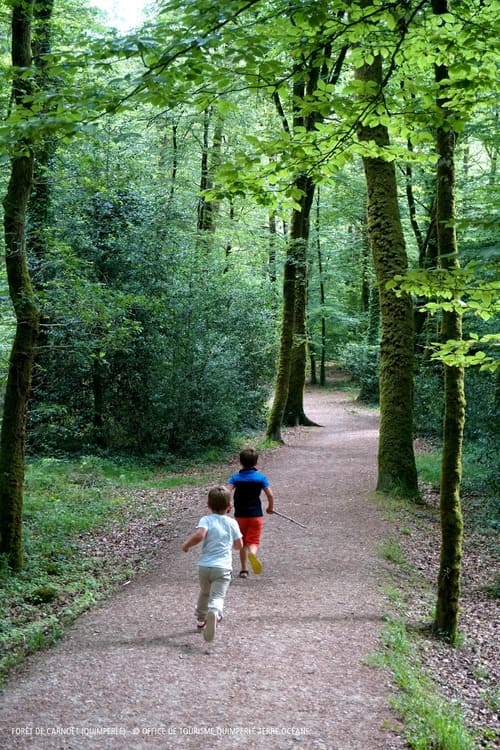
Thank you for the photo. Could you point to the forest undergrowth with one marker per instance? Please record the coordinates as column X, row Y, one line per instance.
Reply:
column 465, row 675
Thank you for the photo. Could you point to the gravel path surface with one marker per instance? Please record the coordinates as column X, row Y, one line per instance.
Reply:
column 288, row 668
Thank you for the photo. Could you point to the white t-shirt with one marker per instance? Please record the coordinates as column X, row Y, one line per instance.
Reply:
column 222, row 532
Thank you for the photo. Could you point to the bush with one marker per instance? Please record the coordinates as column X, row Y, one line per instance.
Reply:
column 428, row 400
column 361, row 362
column 187, row 366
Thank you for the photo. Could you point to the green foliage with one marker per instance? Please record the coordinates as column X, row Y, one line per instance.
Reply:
column 481, row 433
column 391, row 550
column 67, row 504
column 464, row 291
column 430, row 720
column 361, row 362
column 428, row 403
column 168, row 345
column 480, row 486
column 153, row 344
column 195, row 378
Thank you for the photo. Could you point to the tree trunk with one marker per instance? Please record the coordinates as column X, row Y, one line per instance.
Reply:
column 299, row 236
column 312, row 364
column 275, row 420
column 175, row 164
column 13, row 431
column 305, row 85
column 446, row 619
column 428, row 258
column 208, row 209
column 39, row 200
column 99, row 401
column 322, row 297
column 396, row 459
column 272, row 249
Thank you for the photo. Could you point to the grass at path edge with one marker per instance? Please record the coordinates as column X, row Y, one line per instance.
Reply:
column 69, row 508
column 431, row 722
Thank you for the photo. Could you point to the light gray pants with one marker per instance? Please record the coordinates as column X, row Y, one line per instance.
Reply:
column 214, row 582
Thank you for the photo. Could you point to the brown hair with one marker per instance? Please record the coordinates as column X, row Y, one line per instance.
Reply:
column 219, row 499
column 248, row 458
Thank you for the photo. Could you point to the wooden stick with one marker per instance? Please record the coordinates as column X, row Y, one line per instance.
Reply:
column 277, row 513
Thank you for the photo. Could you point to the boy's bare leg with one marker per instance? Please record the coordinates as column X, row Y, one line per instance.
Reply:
column 244, row 557
column 255, row 564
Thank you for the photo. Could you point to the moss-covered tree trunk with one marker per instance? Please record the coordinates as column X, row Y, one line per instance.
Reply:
column 13, row 432
column 299, row 235
column 294, row 275
column 39, row 201
column 447, row 606
column 396, row 458
column 289, row 392
column 46, row 146
column 305, row 86
column 273, row 431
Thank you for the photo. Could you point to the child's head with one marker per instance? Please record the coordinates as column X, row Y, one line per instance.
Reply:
column 248, row 458
column 219, row 500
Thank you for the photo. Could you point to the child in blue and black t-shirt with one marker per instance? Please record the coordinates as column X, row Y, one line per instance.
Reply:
column 247, row 485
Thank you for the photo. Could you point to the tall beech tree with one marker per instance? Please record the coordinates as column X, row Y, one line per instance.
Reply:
column 288, row 404
column 288, row 408
column 210, row 161
column 293, row 314
column 396, row 459
column 305, row 118
column 460, row 86
column 13, row 432
column 322, row 301
column 447, row 605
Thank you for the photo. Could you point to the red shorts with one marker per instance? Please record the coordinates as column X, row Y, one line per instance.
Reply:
column 251, row 528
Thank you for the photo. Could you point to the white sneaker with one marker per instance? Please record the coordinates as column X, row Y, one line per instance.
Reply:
column 211, row 626
column 201, row 625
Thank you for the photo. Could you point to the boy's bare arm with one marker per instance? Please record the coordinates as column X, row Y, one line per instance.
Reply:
column 270, row 499
column 238, row 544
column 198, row 536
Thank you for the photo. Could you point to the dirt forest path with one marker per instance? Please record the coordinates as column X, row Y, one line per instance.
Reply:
column 288, row 667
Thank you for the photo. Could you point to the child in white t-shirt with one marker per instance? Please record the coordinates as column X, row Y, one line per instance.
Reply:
column 220, row 534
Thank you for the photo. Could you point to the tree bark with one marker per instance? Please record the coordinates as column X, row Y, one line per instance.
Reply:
column 275, row 420
column 305, row 85
column 39, row 200
column 13, row 431
column 208, row 209
column 322, row 296
column 396, row 459
column 299, row 236
column 175, row 164
column 288, row 403
column 447, row 605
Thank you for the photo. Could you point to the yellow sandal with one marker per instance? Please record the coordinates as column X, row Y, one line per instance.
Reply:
column 255, row 563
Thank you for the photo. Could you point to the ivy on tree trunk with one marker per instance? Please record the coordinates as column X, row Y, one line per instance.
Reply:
column 448, row 595
column 13, row 432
